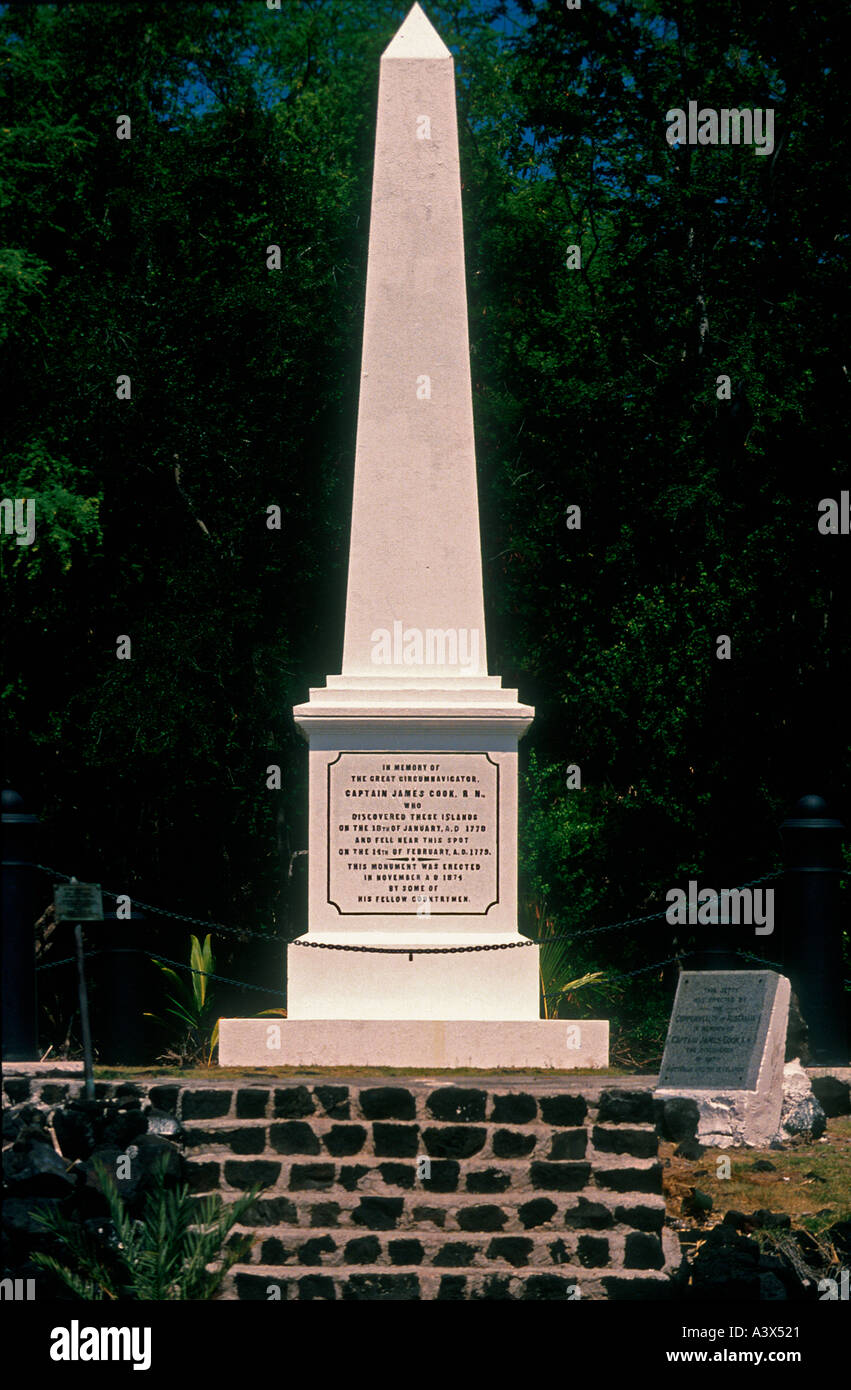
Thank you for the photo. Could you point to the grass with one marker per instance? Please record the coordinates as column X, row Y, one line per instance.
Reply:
column 810, row 1181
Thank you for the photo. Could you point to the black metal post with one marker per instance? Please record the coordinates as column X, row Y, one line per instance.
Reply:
column 20, row 908
column 717, row 948
column 122, row 972
column 812, row 925
column 88, row 1060
column 717, row 955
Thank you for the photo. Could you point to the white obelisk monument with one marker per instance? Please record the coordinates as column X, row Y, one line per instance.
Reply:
column 413, row 747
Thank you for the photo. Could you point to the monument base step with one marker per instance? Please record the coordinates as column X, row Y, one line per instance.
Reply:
column 561, row 1044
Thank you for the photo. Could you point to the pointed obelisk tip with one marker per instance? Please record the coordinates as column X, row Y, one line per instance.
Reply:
column 416, row 38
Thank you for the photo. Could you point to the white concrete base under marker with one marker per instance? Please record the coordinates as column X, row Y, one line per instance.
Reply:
column 474, row 985
column 546, row 1043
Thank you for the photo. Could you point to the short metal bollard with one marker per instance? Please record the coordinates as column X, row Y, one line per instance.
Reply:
column 812, row 926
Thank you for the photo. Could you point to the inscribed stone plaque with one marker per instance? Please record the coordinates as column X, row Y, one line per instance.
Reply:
column 718, row 1029
column 413, row 832
column 78, row 902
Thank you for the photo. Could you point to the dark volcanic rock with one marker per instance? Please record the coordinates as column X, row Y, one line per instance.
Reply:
column 17, row 1118
column 833, row 1096
column 730, row 1266
column 82, row 1125
column 161, row 1123
column 33, row 1168
column 797, row 1034
column 133, row 1169
column 19, row 1216
column 676, row 1118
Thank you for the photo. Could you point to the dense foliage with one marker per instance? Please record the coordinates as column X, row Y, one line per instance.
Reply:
column 595, row 387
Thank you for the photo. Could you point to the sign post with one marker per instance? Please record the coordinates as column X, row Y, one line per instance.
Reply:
column 81, row 902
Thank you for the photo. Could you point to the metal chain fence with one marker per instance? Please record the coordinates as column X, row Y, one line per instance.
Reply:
column 405, row 950
column 153, row 955
column 409, row 951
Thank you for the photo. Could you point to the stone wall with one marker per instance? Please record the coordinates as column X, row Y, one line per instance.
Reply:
column 402, row 1189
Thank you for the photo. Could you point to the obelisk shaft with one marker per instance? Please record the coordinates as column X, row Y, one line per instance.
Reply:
column 415, row 559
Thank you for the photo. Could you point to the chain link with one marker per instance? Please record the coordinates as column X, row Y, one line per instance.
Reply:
column 748, row 955
column 774, row 964
column 69, row 960
column 627, row 974
column 657, row 965
column 225, row 980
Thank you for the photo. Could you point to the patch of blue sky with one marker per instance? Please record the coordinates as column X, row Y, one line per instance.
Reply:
column 194, row 97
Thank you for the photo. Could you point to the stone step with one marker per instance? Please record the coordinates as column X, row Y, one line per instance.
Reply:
column 380, row 1283
column 323, row 1123
column 485, row 1244
column 209, row 1171
column 409, row 1139
column 558, row 1100
column 556, row 1213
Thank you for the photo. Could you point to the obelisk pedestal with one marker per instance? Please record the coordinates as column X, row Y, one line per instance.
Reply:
column 413, row 747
